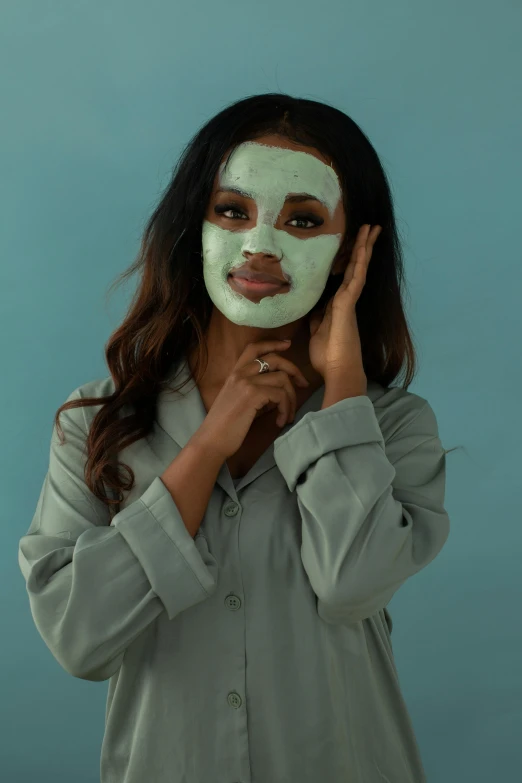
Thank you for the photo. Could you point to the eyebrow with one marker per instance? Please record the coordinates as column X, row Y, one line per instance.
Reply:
column 293, row 199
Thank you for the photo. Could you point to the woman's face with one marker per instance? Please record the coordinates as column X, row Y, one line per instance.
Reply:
column 272, row 228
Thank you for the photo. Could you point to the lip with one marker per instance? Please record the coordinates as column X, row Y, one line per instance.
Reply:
column 251, row 286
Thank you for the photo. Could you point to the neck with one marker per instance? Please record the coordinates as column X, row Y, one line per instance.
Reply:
column 226, row 341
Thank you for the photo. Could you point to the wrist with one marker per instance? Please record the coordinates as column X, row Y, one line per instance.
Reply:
column 337, row 389
column 206, row 448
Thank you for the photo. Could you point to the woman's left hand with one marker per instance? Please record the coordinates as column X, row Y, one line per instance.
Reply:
column 335, row 346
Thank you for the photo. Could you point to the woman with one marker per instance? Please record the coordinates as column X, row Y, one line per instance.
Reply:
column 232, row 586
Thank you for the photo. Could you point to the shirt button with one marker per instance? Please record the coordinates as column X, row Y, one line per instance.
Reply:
column 231, row 509
column 234, row 699
column 233, row 602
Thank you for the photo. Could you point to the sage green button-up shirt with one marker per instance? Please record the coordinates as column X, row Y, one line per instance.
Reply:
column 260, row 650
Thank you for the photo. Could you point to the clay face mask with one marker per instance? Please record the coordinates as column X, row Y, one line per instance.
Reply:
column 268, row 175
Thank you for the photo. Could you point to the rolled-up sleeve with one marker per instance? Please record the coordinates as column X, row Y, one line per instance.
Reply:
column 372, row 513
column 94, row 586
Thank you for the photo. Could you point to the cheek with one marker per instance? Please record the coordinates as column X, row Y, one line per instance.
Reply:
column 220, row 248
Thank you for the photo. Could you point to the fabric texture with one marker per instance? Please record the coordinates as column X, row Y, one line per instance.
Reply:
column 259, row 651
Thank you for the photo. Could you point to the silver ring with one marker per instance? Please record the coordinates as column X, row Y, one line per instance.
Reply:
column 264, row 366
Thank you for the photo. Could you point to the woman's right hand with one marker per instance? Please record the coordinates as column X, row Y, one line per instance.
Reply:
column 246, row 393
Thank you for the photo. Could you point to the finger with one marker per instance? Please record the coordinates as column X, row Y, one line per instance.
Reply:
column 280, row 382
column 257, row 348
column 355, row 264
column 370, row 246
column 278, row 398
column 281, row 363
column 374, row 233
column 362, row 266
column 362, row 236
column 278, row 362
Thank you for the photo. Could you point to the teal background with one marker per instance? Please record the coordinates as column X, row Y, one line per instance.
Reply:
column 98, row 99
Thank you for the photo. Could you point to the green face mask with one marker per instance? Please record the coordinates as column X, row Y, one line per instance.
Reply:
column 268, row 175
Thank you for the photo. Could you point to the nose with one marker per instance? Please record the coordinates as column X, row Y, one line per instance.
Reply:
column 259, row 256
column 261, row 240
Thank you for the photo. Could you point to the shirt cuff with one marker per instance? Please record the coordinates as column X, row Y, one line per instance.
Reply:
column 349, row 422
column 180, row 569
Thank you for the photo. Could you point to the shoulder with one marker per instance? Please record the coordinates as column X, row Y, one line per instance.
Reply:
column 398, row 409
column 83, row 415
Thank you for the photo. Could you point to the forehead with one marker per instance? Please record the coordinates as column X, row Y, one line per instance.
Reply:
column 270, row 173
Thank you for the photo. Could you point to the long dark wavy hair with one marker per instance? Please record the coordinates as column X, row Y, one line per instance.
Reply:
column 170, row 310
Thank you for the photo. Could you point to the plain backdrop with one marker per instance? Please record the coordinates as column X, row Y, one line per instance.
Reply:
column 98, row 98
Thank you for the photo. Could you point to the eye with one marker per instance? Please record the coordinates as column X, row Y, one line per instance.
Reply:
column 315, row 221
column 310, row 217
column 221, row 209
